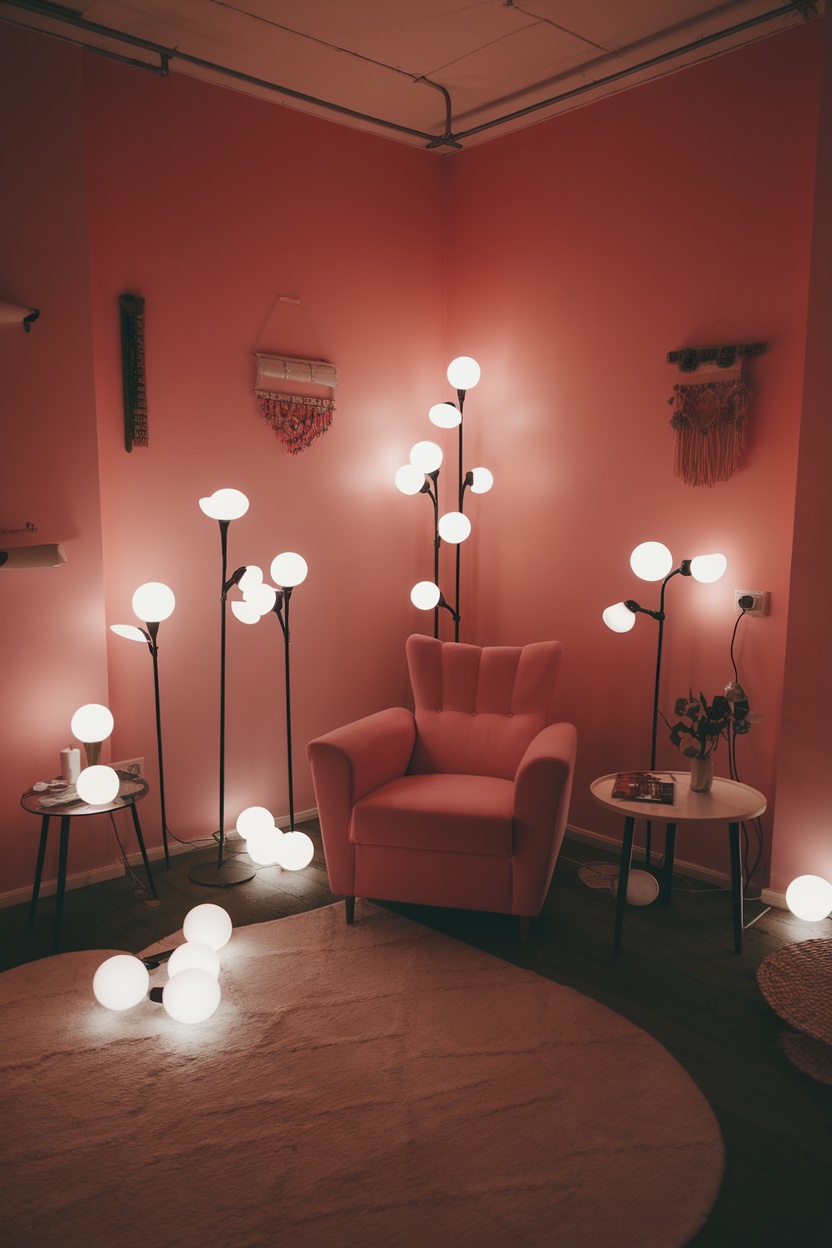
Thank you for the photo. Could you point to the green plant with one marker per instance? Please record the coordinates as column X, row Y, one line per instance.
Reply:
column 699, row 725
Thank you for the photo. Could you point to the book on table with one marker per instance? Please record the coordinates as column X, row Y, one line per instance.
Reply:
column 643, row 786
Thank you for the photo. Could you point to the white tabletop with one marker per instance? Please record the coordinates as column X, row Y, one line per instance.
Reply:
column 728, row 801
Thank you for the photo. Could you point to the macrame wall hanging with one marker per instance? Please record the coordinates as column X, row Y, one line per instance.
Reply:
column 709, row 414
column 133, row 371
column 288, row 387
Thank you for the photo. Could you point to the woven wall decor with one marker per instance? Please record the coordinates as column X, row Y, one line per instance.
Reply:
column 133, row 371
column 296, row 420
column 291, row 389
column 708, row 424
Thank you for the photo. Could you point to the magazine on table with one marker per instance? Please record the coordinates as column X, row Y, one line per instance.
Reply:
column 644, row 786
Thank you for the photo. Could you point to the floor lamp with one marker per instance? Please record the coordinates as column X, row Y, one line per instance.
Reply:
column 223, row 506
column 652, row 561
column 152, row 602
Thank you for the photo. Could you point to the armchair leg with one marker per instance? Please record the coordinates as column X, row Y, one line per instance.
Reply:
column 350, row 906
column 524, row 928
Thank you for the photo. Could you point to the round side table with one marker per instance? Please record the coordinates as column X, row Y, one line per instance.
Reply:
column 728, row 801
column 131, row 790
column 796, row 981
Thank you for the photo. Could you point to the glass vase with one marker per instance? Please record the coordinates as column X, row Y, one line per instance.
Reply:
column 701, row 774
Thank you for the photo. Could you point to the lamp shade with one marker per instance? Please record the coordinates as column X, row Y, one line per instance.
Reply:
column 445, row 415
column 92, row 722
column 262, row 598
column 296, row 851
column 245, row 612
column 130, row 631
column 651, row 561
column 619, row 617
column 708, row 568
column 425, row 595
column 409, row 479
column 263, row 845
column 252, row 818
column 454, row 527
column 463, row 372
column 426, row 456
column 225, row 505
column 208, row 924
column 153, row 601
column 121, row 982
column 289, row 569
column 809, row 897
column 98, row 785
column 191, row 996
column 482, row 481
column 191, row 954
column 251, row 578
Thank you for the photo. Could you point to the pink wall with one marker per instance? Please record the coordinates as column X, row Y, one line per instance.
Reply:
column 580, row 252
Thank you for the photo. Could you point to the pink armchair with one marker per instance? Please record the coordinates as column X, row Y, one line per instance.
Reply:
column 462, row 802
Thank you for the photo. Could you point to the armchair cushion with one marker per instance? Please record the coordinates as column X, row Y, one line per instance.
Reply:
column 451, row 814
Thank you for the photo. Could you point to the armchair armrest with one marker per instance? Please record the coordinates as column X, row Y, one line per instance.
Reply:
column 542, row 791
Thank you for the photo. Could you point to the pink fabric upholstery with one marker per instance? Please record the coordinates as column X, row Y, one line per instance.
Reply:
column 462, row 802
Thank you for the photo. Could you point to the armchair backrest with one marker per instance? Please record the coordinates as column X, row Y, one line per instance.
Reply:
column 477, row 708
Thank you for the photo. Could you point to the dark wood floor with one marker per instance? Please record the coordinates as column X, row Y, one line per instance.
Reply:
column 677, row 977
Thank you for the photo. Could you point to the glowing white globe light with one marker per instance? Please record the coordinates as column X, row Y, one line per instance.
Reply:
column 191, row 996
column 708, row 568
column 92, row 722
column 463, row 372
column 97, row 786
column 409, row 479
column 426, row 456
column 454, row 527
column 191, row 954
column 153, row 601
column 262, row 598
column 245, row 612
column 263, row 845
column 208, row 924
column 251, row 578
column 296, row 851
column 445, row 415
column 252, row 818
column 129, row 631
column 425, row 595
column 121, row 982
column 651, row 561
column 619, row 618
column 225, row 505
column 809, row 897
column 289, row 569
column 482, row 482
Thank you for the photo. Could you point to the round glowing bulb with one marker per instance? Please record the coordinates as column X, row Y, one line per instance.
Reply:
column 225, row 505
column 463, row 372
column 651, row 561
column 92, row 722
column 619, row 618
column 252, row 818
column 296, row 851
column 208, row 924
column 454, row 527
column 289, row 569
column 425, row 595
column 153, row 601
column 482, row 482
column 810, row 898
column 245, row 612
column 121, row 982
column 262, row 598
column 426, row 456
column 251, row 578
column 129, row 631
column 409, row 479
column 708, row 568
column 97, row 786
column 263, row 845
column 445, row 415
column 191, row 995
column 192, row 954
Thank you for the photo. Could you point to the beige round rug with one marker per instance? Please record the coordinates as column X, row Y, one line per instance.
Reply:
column 379, row 1085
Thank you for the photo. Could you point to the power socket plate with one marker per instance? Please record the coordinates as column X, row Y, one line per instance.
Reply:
column 760, row 601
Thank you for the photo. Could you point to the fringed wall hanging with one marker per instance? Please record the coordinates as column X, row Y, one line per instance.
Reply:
column 709, row 416
column 133, row 371
column 297, row 419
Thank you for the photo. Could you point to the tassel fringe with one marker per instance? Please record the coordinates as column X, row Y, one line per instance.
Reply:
column 708, row 424
column 296, row 421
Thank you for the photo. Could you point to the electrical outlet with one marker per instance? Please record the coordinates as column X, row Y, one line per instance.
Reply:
column 758, row 599
column 136, row 765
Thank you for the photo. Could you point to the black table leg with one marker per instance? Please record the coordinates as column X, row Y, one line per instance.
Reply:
column 623, row 878
column 140, row 839
column 736, row 884
column 59, row 899
column 44, row 834
column 666, row 882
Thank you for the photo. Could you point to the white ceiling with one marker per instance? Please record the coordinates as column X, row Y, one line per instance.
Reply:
column 432, row 73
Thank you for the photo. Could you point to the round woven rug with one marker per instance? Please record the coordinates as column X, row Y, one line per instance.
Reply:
column 376, row 1085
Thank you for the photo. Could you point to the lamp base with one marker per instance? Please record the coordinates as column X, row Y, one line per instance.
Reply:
column 224, row 875
column 642, row 888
